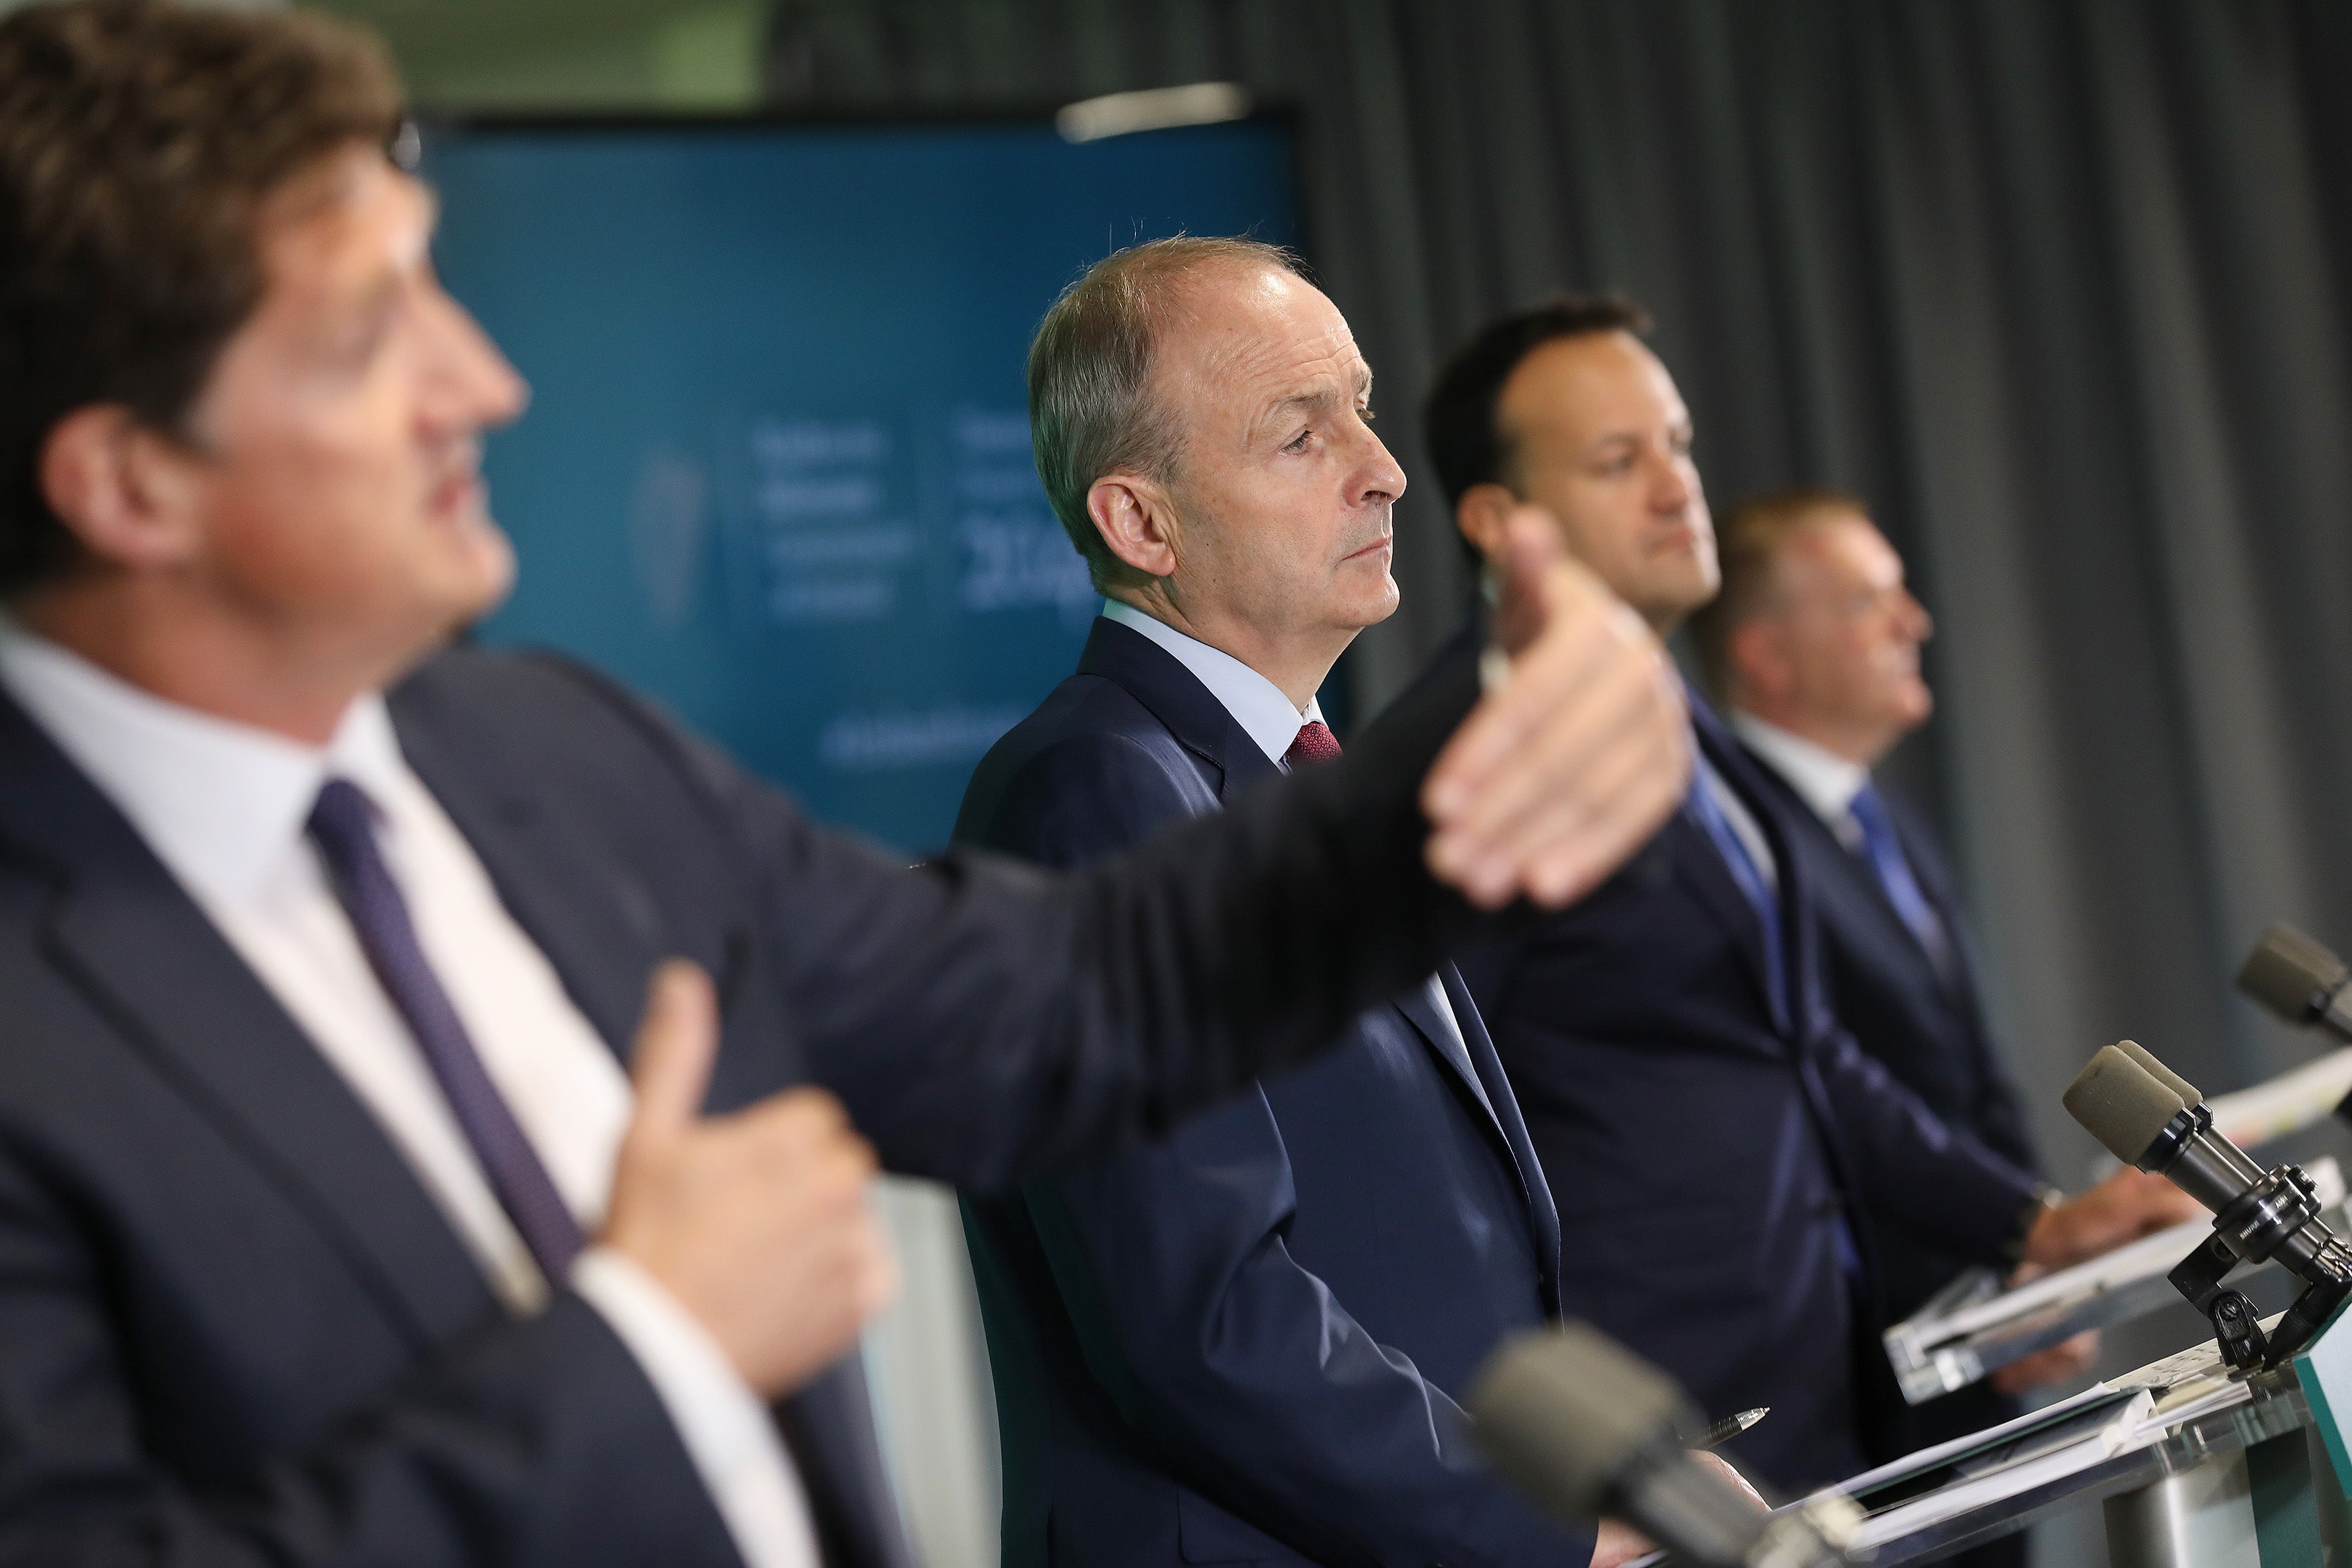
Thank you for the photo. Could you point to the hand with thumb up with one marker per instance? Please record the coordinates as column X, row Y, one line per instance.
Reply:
column 759, row 1222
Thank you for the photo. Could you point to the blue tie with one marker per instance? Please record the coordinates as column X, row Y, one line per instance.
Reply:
column 342, row 824
column 1884, row 852
column 1748, row 875
column 1744, row 870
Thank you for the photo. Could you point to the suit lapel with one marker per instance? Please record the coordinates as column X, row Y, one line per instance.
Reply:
column 1175, row 697
column 602, row 934
column 1203, row 727
column 1510, row 1131
column 1958, row 978
column 1420, row 1009
column 125, row 932
column 1701, row 865
column 1861, row 877
column 598, row 929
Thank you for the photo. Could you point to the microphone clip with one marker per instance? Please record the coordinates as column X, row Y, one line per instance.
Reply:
column 2276, row 1216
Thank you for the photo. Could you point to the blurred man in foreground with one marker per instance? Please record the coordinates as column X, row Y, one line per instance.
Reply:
column 340, row 1221
column 1244, row 1343
column 1813, row 646
column 1722, row 1154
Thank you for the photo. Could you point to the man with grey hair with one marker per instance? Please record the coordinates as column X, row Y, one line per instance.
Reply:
column 1245, row 1343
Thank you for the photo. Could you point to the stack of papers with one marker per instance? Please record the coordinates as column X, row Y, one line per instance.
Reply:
column 2044, row 1446
column 1967, row 1333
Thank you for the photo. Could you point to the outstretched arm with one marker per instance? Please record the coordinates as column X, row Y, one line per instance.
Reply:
column 984, row 1022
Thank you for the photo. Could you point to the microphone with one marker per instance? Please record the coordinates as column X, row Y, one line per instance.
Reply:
column 2149, row 1116
column 1584, row 1427
column 2294, row 976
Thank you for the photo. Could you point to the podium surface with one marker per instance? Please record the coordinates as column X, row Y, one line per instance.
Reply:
column 2192, row 1466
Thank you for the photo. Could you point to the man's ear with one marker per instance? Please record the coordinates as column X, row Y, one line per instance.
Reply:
column 124, row 491
column 1137, row 520
column 1482, row 514
column 1756, row 660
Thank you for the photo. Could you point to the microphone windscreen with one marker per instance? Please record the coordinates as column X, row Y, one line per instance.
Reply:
column 2120, row 1104
column 1564, row 1412
column 2189, row 1093
column 2291, row 974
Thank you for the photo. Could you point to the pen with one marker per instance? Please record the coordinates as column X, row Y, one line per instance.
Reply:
column 1730, row 1426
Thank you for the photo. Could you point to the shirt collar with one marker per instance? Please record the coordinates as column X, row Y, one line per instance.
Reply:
column 220, row 803
column 1821, row 778
column 1256, row 702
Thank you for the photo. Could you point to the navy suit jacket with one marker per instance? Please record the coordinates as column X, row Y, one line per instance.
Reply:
column 235, row 1327
column 1244, row 1343
column 1705, row 1153
column 1929, row 1030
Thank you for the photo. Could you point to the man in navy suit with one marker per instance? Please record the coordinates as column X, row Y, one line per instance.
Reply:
column 1245, row 1343
column 1813, row 646
column 348, row 1213
column 1722, row 1154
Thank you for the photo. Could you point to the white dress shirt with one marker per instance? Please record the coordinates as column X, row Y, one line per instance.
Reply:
column 224, row 807
column 1258, row 704
column 1259, row 707
column 1821, row 778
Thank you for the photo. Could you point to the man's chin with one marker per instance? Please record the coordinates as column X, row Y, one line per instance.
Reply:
column 1675, row 596
column 1374, row 605
column 485, row 575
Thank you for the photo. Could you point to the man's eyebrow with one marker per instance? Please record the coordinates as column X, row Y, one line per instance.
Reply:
column 381, row 292
column 1321, row 397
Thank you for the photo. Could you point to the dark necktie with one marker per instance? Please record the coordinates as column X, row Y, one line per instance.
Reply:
column 342, row 825
column 1316, row 743
column 1702, row 805
column 1885, row 851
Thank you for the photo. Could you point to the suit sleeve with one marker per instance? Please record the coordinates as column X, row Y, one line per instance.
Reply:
column 2000, row 1119
column 985, row 1021
column 1934, row 1181
column 537, row 1442
column 1234, row 1360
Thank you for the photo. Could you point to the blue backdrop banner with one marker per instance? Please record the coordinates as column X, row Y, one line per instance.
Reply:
column 776, row 470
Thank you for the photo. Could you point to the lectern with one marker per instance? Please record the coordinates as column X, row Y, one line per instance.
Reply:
column 2195, row 1468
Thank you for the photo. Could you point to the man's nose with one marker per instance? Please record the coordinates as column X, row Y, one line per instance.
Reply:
column 1916, row 619
column 1380, row 479
column 1672, row 487
column 473, row 386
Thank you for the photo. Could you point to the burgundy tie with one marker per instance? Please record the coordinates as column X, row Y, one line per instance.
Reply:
column 1316, row 743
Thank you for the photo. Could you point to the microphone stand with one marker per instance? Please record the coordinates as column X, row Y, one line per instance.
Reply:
column 2257, row 1225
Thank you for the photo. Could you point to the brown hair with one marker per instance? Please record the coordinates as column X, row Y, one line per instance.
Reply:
column 138, row 141
column 1090, row 406
column 1748, row 539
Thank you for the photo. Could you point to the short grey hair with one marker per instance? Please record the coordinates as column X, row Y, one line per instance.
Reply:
column 1090, row 407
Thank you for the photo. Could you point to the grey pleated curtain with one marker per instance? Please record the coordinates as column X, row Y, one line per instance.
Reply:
column 2055, row 283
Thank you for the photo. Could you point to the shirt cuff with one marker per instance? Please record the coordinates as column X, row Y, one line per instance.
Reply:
column 729, row 1434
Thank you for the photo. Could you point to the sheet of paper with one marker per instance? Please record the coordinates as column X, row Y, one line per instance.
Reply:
column 2032, row 1421
column 2126, row 1430
column 2151, row 1257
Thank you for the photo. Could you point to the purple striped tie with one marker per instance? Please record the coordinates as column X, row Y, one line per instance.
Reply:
column 342, row 824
